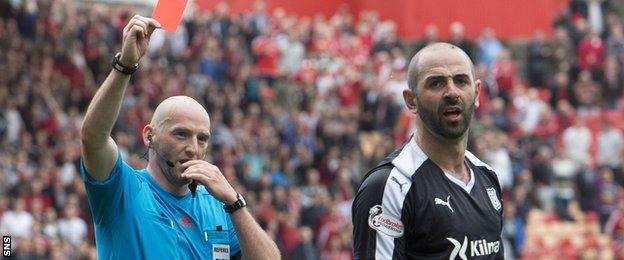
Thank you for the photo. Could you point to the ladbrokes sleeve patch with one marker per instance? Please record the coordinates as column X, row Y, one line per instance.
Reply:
column 384, row 223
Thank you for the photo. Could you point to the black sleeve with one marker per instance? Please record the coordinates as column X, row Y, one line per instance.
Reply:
column 369, row 194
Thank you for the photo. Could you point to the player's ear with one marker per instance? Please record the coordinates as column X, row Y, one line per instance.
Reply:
column 477, row 91
column 410, row 100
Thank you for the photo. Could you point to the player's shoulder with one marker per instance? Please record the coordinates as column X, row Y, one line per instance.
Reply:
column 481, row 167
column 377, row 176
column 405, row 161
column 477, row 162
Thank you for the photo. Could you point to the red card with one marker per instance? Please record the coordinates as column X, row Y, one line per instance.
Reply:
column 169, row 13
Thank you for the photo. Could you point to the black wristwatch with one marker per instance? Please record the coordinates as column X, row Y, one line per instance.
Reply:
column 123, row 68
column 238, row 204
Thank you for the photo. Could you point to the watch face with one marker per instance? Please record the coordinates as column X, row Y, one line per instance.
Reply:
column 238, row 204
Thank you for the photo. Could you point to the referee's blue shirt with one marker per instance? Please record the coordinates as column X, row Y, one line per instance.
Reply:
column 136, row 219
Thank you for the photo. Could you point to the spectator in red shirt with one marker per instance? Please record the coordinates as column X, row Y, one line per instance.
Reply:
column 36, row 194
column 289, row 234
column 267, row 53
column 547, row 127
column 591, row 51
column 336, row 250
column 505, row 72
column 615, row 224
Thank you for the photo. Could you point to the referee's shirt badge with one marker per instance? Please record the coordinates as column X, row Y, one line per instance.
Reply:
column 220, row 252
column 493, row 198
column 384, row 223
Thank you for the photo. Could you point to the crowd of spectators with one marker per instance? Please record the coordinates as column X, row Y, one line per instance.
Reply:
column 301, row 107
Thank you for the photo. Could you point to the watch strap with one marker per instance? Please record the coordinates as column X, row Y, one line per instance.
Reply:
column 128, row 70
column 238, row 204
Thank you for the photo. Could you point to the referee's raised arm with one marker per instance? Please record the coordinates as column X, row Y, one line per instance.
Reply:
column 99, row 151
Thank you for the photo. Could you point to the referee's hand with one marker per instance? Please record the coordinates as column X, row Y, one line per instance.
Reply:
column 211, row 177
column 135, row 39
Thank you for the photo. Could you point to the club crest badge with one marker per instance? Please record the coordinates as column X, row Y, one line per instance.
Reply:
column 493, row 198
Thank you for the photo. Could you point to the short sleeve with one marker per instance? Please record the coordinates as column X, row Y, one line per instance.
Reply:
column 108, row 198
column 233, row 238
column 370, row 194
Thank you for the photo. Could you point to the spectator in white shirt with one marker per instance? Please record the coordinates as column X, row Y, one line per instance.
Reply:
column 17, row 222
column 576, row 141
column 293, row 52
column 14, row 121
column 50, row 225
column 610, row 146
column 497, row 156
column 72, row 228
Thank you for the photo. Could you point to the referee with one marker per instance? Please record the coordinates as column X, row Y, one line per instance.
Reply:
column 158, row 212
column 432, row 199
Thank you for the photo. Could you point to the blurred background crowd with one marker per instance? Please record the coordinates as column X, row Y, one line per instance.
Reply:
column 302, row 107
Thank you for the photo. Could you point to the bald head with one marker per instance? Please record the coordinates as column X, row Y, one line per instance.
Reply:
column 177, row 106
column 179, row 132
column 432, row 51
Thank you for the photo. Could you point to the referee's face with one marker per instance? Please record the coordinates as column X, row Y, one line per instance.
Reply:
column 446, row 93
column 180, row 132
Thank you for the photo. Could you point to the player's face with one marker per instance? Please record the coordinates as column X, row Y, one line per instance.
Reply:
column 446, row 93
column 184, row 137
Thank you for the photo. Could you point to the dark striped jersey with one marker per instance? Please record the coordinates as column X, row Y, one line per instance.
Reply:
column 409, row 208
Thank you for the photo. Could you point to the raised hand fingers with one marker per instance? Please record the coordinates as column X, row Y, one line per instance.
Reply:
column 152, row 25
column 138, row 22
column 148, row 24
column 137, row 31
column 129, row 25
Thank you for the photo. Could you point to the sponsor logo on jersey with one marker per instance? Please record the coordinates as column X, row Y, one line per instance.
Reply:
column 447, row 203
column 384, row 223
column 493, row 198
column 479, row 247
